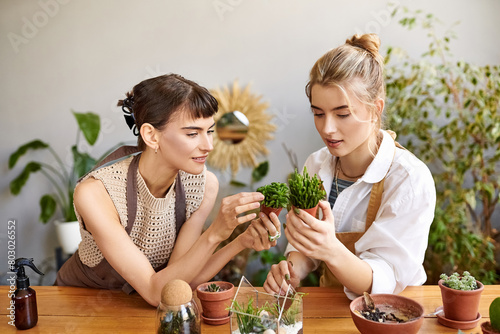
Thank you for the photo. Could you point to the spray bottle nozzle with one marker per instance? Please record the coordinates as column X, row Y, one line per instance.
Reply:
column 23, row 281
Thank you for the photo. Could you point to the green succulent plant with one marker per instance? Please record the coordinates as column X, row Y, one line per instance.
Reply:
column 213, row 288
column 305, row 191
column 276, row 195
column 466, row 282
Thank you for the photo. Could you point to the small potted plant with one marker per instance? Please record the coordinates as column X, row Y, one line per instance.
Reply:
column 276, row 198
column 460, row 295
column 493, row 326
column 215, row 298
column 305, row 191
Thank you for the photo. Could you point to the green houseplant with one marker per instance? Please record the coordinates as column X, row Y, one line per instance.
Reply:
column 305, row 191
column 493, row 326
column 460, row 295
column 63, row 178
column 447, row 112
column 276, row 197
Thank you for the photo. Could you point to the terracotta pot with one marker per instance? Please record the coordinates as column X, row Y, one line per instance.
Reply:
column 267, row 210
column 487, row 329
column 460, row 305
column 312, row 211
column 388, row 303
column 215, row 304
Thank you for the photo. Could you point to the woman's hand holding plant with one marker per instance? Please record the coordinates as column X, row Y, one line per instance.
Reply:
column 228, row 217
column 312, row 237
column 256, row 236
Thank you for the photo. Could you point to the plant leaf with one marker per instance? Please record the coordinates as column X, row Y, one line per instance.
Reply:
column 260, row 171
column 18, row 183
column 36, row 144
column 83, row 162
column 237, row 183
column 90, row 124
column 48, row 207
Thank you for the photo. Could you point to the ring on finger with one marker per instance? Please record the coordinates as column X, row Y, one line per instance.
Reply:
column 274, row 237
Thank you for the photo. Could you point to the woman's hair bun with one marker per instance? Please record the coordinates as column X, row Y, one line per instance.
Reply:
column 368, row 42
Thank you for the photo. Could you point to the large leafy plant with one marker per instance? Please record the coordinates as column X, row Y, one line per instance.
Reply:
column 447, row 112
column 61, row 177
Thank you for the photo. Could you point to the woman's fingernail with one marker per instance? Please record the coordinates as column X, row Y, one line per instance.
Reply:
column 287, row 277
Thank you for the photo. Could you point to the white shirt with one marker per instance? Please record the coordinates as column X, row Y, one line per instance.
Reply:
column 394, row 246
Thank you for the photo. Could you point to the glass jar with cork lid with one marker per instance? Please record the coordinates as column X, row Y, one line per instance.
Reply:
column 177, row 312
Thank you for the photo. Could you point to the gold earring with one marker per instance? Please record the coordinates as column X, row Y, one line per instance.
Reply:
column 156, row 150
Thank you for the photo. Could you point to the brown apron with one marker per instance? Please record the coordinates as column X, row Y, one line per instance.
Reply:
column 348, row 239
column 103, row 276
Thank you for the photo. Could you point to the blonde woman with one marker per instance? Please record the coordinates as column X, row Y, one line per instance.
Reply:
column 374, row 228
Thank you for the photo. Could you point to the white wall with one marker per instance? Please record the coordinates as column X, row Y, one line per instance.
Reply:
column 84, row 55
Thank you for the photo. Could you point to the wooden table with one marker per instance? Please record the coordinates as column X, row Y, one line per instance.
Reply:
column 80, row 310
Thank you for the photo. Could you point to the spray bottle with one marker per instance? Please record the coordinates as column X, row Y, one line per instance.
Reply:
column 24, row 297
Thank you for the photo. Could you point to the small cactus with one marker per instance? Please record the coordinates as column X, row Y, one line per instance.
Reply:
column 495, row 314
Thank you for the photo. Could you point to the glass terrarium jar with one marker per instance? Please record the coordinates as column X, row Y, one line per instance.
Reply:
column 178, row 319
column 254, row 311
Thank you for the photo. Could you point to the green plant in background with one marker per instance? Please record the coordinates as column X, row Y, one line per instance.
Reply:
column 258, row 173
column 305, row 191
column 447, row 113
column 495, row 314
column 277, row 195
column 466, row 282
column 61, row 178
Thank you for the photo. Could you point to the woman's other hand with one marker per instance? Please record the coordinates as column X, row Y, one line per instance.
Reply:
column 262, row 233
column 280, row 277
column 231, row 210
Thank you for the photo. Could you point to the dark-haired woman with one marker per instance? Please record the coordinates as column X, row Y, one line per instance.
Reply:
column 375, row 225
column 142, row 217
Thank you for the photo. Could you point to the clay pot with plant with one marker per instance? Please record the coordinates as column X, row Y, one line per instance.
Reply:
column 215, row 299
column 276, row 198
column 305, row 191
column 461, row 296
column 493, row 326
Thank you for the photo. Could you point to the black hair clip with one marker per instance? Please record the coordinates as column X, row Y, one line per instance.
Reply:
column 129, row 114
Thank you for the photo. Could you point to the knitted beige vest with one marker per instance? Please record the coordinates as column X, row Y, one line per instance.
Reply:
column 153, row 231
